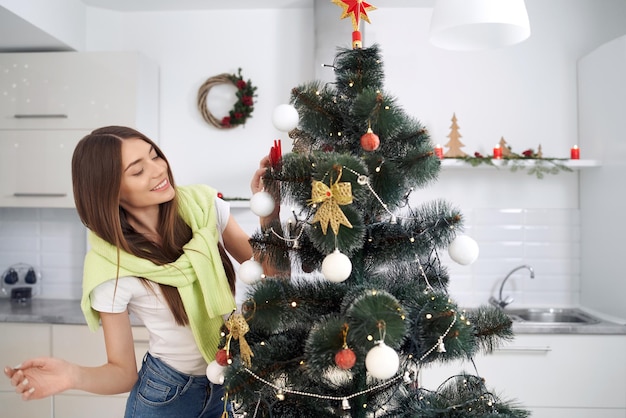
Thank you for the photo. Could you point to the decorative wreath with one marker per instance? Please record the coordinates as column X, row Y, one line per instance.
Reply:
column 241, row 111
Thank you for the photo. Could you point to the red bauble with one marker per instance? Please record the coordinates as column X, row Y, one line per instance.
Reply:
column 345, row 359
column 222, row 357
column 370, row 141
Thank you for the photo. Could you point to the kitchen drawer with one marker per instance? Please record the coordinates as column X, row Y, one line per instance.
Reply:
column 550, row 371
column 78, row 344
column 13, row 406
column 92, row 406
column 20, row 342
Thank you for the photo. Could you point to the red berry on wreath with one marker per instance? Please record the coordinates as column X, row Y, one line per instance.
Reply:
column 345, row 359
column 222, row 357
column 370, row 141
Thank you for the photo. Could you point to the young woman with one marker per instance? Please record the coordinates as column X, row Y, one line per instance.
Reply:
column 158, row 252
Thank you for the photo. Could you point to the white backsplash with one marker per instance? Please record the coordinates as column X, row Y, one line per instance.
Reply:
column 547, row 239
column 53, row 240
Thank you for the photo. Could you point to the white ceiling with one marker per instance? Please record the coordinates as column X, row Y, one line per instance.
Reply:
column 153, row 5
column 16, row 34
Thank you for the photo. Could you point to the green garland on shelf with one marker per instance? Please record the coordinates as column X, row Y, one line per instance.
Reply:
column 515, row 162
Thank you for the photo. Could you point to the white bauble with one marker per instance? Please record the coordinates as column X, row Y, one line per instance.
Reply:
column 262, row 204
column 336, row 267
column 382, row 361
column 215, row 373
column 463, row 250
column 285, row 117
column 250, row 271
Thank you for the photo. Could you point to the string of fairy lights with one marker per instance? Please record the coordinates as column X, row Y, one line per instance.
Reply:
column 439, row 346
column 407, row 376
column 281, row 391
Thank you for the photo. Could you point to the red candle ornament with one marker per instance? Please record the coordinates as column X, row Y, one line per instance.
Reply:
column 357, row 42
column 439, row 151
column 497, row 152
column 276, row 155
column 575, row 153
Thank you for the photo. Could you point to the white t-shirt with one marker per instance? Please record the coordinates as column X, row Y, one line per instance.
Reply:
column 170, row 342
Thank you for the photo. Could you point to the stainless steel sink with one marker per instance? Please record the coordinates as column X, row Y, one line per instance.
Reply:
column 551, row 316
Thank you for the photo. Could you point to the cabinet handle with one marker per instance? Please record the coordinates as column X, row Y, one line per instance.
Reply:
column 526, row 348
column 40, row 194
column 40, row 116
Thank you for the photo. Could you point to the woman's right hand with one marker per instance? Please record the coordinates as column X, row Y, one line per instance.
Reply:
column 41, row 377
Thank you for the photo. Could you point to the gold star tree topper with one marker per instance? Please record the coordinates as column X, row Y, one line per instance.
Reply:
column 356, row 10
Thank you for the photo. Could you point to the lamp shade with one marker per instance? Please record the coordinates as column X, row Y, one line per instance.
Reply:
column 473, row 25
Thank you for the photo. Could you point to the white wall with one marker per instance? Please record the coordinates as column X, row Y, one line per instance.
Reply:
column 191, row 46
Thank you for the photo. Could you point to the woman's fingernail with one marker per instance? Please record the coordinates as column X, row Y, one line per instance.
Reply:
column 18, row 366
column 31, row 390
column 25, row 382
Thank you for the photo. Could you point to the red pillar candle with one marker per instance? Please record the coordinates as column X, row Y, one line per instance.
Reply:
column 497, row 152
column 575, row 153
column 439, row 151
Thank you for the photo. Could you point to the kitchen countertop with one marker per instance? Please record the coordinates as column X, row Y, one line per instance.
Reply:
column 62, row 311
column 45, row 311
column 603, row 327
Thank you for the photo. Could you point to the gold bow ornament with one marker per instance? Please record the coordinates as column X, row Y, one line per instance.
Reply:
column 330, row 199
column 238, row 327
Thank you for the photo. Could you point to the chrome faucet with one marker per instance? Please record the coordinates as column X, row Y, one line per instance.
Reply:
column 502, row 303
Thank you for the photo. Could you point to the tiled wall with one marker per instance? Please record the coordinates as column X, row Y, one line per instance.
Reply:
column 52, row 240
column 547, row 239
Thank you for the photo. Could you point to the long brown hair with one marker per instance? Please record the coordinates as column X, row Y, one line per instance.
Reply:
column 97, row 177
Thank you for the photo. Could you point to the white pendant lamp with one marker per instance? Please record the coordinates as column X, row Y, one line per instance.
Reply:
column 474, row 25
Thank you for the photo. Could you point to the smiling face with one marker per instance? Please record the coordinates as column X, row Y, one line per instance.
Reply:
column 145, row 181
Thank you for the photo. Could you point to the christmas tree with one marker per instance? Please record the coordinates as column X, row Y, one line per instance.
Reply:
column 365, row 306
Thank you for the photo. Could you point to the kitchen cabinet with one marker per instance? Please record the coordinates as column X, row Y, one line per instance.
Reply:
column 75, row 343
column 78, row 343
column 601, row 110
column 35, row 168
column 19, row 342
column 552, row 374
column 50, row 100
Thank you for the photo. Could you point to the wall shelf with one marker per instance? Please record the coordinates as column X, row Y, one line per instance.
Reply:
column 239, row 203
column 454, row 163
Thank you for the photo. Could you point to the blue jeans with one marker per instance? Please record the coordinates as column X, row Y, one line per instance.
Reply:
column 162, row 391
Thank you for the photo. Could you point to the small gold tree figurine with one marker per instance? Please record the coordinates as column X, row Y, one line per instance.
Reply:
column 506, row 150
column 454, row 144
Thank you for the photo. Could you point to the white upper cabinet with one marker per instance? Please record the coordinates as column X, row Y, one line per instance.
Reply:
column 50, row 100
column 76, row 90
column 35, row 169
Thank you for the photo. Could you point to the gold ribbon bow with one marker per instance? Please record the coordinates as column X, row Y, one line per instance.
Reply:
column 330, row 199
column 238, row 328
